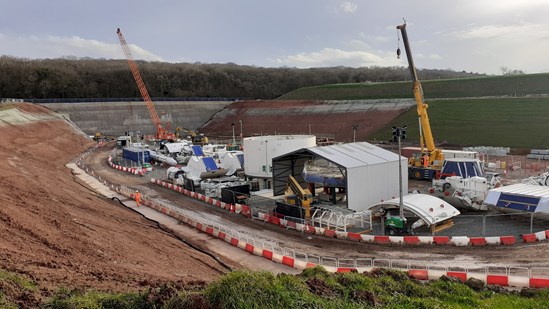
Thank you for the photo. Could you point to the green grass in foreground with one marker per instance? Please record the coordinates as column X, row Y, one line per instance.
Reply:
column 12, row 284
column 314, row 288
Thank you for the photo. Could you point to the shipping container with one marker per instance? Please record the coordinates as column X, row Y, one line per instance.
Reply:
column 136, row 154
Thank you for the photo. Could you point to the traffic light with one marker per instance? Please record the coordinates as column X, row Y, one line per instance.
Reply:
column 399, row 131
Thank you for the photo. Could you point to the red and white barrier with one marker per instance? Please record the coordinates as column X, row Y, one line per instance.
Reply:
column 461, row 241
column 532, row 281
column 135, row 171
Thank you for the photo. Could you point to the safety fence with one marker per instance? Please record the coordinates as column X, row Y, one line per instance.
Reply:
column 533, row 277
column 378, row 239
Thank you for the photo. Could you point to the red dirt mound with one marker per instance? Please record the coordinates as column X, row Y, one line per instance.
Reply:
column 60, row 233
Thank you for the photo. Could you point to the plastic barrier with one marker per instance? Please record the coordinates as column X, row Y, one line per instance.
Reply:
column 319, row 230
column 249, row 248
column 426, row 239
column 478, row 241
column 381, row 239
column 299, row 264
column 540, row 236
column 367, row 238
column 354, row 236
column 441, row 240
column 457, row 274
column 267, row 254
column 419, row 274
column 291, row 225
column 519, row 282
column 309, row 229
column 341, row 235
column 288, row 261
column 274, row 220
column 539, row 282
column 501, row 280
column 529, row 238
column 345, row 270
column 411, row 240
column 329, row 233
column 460, row 241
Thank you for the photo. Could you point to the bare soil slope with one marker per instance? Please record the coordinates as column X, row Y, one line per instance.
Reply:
column 320, row 118
column 60, row 233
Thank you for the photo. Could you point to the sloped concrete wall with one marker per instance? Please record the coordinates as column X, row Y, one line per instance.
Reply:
column 115, row 118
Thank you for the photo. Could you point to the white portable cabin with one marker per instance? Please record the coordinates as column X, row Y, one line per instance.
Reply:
column 259, row 151
column 371, row 173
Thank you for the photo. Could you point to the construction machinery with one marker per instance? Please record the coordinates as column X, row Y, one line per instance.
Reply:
column 296, row 195
column 161, row 132
column 426, row 164
column 197, row 138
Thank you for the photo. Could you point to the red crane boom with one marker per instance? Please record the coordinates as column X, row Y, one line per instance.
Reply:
column 161, row 132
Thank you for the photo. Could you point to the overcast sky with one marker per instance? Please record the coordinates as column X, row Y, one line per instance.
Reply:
column 472, row 35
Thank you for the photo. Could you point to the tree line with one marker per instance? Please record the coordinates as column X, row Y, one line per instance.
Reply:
column 72, row 77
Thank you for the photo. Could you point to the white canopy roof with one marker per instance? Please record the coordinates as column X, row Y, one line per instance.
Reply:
column 355, row 154
column 429, row 208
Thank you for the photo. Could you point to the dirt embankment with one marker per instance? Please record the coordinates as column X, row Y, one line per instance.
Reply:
column 60, row 233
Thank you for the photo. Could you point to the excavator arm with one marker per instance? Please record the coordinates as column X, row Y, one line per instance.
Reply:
column 304, row 196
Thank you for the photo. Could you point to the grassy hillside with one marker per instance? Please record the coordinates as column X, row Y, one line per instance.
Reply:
column 461, row 111
column 509, row 122
column 314, row 288
column 513, row 85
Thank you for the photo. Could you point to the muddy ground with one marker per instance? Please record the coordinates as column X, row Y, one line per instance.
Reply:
column 60, row 233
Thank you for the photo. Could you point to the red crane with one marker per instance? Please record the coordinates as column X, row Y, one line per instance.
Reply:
column 161, row 132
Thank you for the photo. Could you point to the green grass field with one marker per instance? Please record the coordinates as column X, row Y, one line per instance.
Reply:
column 508, row 122
column 508, row 111
column 514, row 85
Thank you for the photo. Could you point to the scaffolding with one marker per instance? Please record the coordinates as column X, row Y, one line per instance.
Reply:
column 340, row 221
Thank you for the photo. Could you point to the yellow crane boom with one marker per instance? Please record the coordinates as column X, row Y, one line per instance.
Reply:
column 426, row 164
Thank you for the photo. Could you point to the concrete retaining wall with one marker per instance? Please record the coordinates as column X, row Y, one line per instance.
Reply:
column 114, row 118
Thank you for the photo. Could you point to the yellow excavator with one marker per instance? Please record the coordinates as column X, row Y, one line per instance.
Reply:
column 296, row 195
column 195, row 138
column 428, row 163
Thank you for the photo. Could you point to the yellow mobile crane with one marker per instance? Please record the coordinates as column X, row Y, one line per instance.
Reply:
column 195, row 138
column 428, row 163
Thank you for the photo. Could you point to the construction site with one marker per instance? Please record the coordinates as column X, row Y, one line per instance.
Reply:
column 117, row 195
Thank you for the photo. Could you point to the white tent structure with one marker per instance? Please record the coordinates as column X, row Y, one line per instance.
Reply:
column 371, row 173
column 430, row 209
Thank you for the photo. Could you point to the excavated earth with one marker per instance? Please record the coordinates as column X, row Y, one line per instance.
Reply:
column 333, row 119
column 58, row 232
